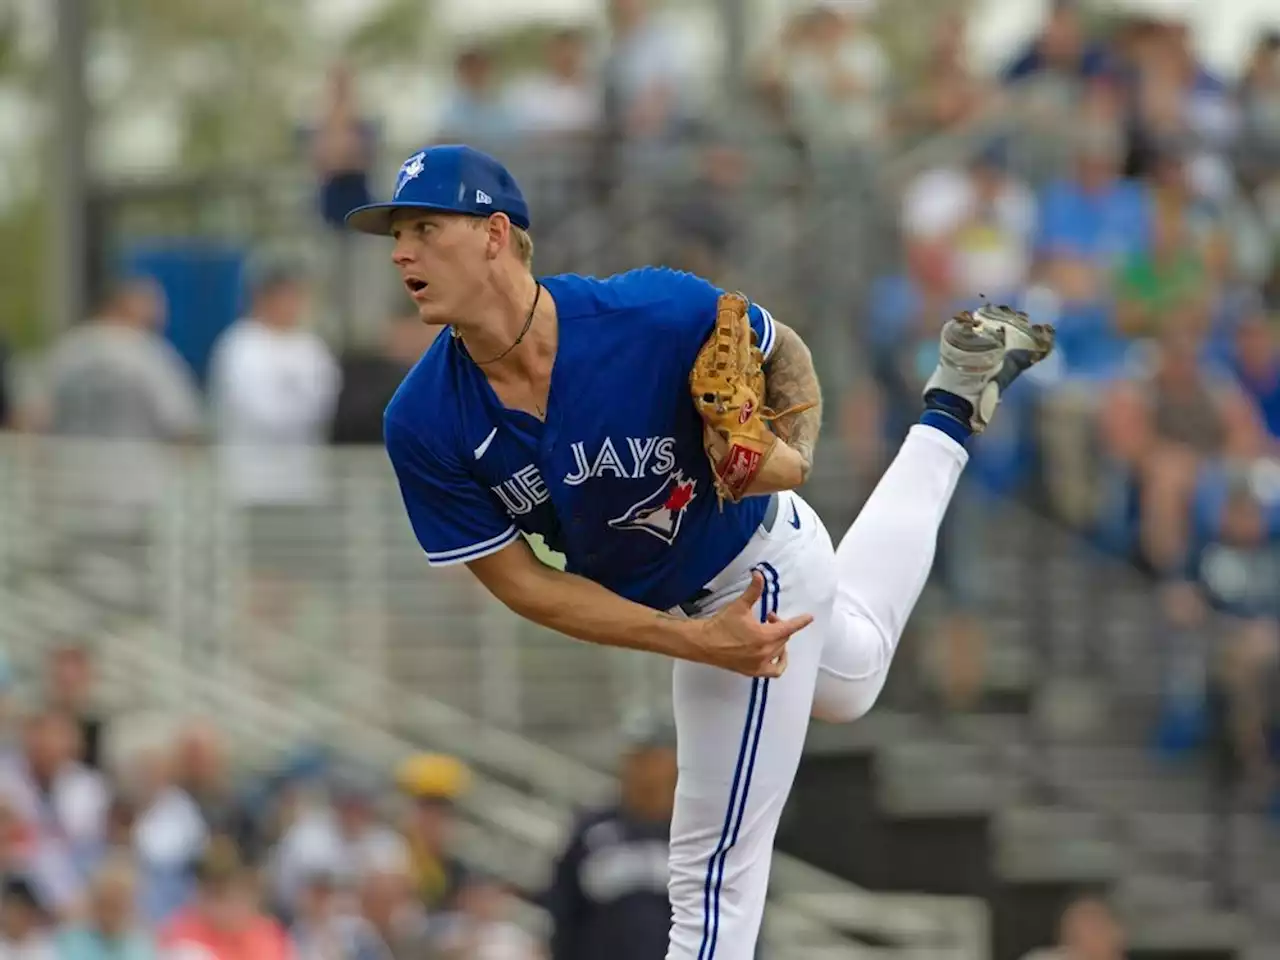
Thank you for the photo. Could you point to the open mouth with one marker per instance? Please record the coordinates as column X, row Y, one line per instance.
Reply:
column 415, row 285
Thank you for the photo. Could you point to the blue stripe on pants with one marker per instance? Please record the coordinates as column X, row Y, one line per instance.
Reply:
column 728, row 821
column 738, row 806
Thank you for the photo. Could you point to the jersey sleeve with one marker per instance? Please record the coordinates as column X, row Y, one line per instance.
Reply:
column 697, row 300
column 762, row 323
column 454, row 518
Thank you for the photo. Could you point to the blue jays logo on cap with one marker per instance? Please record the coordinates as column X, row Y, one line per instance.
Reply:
column 447, row 179
column 410, row 169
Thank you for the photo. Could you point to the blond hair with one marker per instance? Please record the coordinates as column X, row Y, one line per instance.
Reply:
column 522, row 243
column 115, row 872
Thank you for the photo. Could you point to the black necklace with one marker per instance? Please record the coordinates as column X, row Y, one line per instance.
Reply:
column 528, row 322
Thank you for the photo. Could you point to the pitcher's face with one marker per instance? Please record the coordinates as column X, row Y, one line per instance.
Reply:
column 443, row 260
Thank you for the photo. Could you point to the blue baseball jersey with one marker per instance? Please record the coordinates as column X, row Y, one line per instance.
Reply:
column 615, row 478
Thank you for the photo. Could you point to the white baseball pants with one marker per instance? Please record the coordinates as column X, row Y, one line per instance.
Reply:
column 739, row 740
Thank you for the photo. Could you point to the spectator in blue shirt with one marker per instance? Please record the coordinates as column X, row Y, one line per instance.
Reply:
column 1232, row 570
column 1255, row 360
column 477, row 109
column 1089, row 224
column 1061, row 47
column 1163, row 429
column 342, row 149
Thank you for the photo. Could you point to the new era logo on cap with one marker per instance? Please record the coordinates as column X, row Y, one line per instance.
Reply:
column 450, row 178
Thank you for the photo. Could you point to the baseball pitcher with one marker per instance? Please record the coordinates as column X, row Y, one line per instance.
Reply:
column 654, row 429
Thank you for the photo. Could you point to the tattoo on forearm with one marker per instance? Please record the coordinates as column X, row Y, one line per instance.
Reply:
column 791, row 380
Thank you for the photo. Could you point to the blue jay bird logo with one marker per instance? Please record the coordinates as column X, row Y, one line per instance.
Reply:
column 660, row 513
column 411, row 168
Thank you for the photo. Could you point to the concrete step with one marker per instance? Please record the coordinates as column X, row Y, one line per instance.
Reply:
column 933, row 777
column 1252, row 843
column 1037, row 843
column 1143, row 893
column 1174, row 794
column 1263, row 902
column 1071, row 760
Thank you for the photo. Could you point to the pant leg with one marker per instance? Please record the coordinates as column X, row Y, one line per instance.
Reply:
column 882, row 564
column 739, row 743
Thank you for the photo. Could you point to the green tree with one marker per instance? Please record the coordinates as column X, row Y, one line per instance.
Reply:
column 236, row 73
column 397, row 32
column 232, row 65
column 23, row 76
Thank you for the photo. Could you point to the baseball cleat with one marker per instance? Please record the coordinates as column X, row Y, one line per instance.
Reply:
column 983, row 351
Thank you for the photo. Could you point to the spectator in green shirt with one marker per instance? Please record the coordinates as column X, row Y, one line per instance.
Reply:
column 1167, row 278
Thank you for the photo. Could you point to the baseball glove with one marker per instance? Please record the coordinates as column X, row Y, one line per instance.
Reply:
column 728, row 388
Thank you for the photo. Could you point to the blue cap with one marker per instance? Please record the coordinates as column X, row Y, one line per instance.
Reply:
column 447, row 179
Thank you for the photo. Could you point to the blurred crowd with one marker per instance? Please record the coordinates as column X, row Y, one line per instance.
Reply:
column 1130, row 196
column 1147, row 229
column 1110, row 183
column 133, row 836
column 129, row 836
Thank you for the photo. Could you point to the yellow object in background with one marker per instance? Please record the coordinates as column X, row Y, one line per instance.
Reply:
column 433, row 776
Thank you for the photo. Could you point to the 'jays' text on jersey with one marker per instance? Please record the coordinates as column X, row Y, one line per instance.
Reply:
column 615, row 478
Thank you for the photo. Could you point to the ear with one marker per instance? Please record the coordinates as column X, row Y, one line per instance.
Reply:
column 498, row 234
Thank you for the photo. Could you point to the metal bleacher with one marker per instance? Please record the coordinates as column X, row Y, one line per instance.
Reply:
column 1070, row 779
column 385, row 657
column 386, row 660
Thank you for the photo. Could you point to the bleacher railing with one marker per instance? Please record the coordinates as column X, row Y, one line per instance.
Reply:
column 153, row 531
column 358, row 645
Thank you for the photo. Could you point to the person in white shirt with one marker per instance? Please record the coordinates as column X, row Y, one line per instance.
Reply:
column 481, row 929
column 649, row 90
column 57, row 806
column 984, row 214
column 273, row 388
column 120, row 400
column 836, row 78
column 562, row 99
column 168, row 832
column 343, row 840
column 273, row 385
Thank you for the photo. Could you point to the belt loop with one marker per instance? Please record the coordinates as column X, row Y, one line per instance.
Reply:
column 770, row 513
column 690, row 607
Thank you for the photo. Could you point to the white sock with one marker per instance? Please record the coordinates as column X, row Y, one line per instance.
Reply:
column 882, row 564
